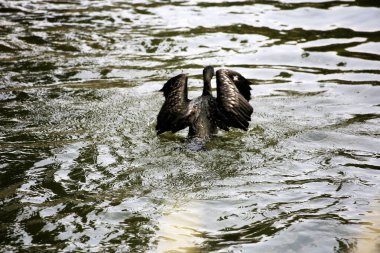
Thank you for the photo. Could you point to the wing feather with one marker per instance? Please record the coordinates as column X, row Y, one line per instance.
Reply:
column 174, row 113
column 234, row 92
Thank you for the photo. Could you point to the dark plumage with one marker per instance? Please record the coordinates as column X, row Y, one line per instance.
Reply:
column 203, row 115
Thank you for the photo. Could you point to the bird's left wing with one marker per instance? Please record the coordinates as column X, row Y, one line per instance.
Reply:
column 174, row 114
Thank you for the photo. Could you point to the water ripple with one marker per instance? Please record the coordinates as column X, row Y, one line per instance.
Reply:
column 81, row 168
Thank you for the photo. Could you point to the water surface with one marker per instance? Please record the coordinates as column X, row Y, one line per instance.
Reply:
column 81, row 168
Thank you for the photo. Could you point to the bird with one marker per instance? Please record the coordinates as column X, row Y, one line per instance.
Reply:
column 206, row 113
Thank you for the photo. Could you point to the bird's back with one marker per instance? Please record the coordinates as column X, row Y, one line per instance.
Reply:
column 203, row 117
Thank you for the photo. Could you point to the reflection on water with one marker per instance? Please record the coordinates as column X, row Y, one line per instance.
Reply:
column 81, row 168
column 180, row 229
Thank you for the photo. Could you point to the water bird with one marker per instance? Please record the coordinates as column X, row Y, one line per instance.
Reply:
column 205, row 114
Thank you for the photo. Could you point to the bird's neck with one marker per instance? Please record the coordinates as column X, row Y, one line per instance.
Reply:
column 206, row 88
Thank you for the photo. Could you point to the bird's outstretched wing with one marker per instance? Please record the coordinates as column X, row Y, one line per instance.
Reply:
column 233, row 92
column 174, row 114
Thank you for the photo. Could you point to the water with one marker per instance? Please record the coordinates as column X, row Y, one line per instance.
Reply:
column 81, row 168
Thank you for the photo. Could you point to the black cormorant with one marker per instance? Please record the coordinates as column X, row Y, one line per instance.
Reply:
column 204, row 114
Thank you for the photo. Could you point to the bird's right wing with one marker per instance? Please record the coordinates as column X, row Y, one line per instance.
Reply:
column 174, row 114
column 233, row 92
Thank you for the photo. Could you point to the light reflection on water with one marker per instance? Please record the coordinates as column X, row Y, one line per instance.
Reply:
column 81, row 166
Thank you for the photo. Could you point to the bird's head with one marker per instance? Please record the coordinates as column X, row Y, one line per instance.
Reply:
column 208, row 73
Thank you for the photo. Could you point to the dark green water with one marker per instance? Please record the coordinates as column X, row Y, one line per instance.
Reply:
column 81, row 168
